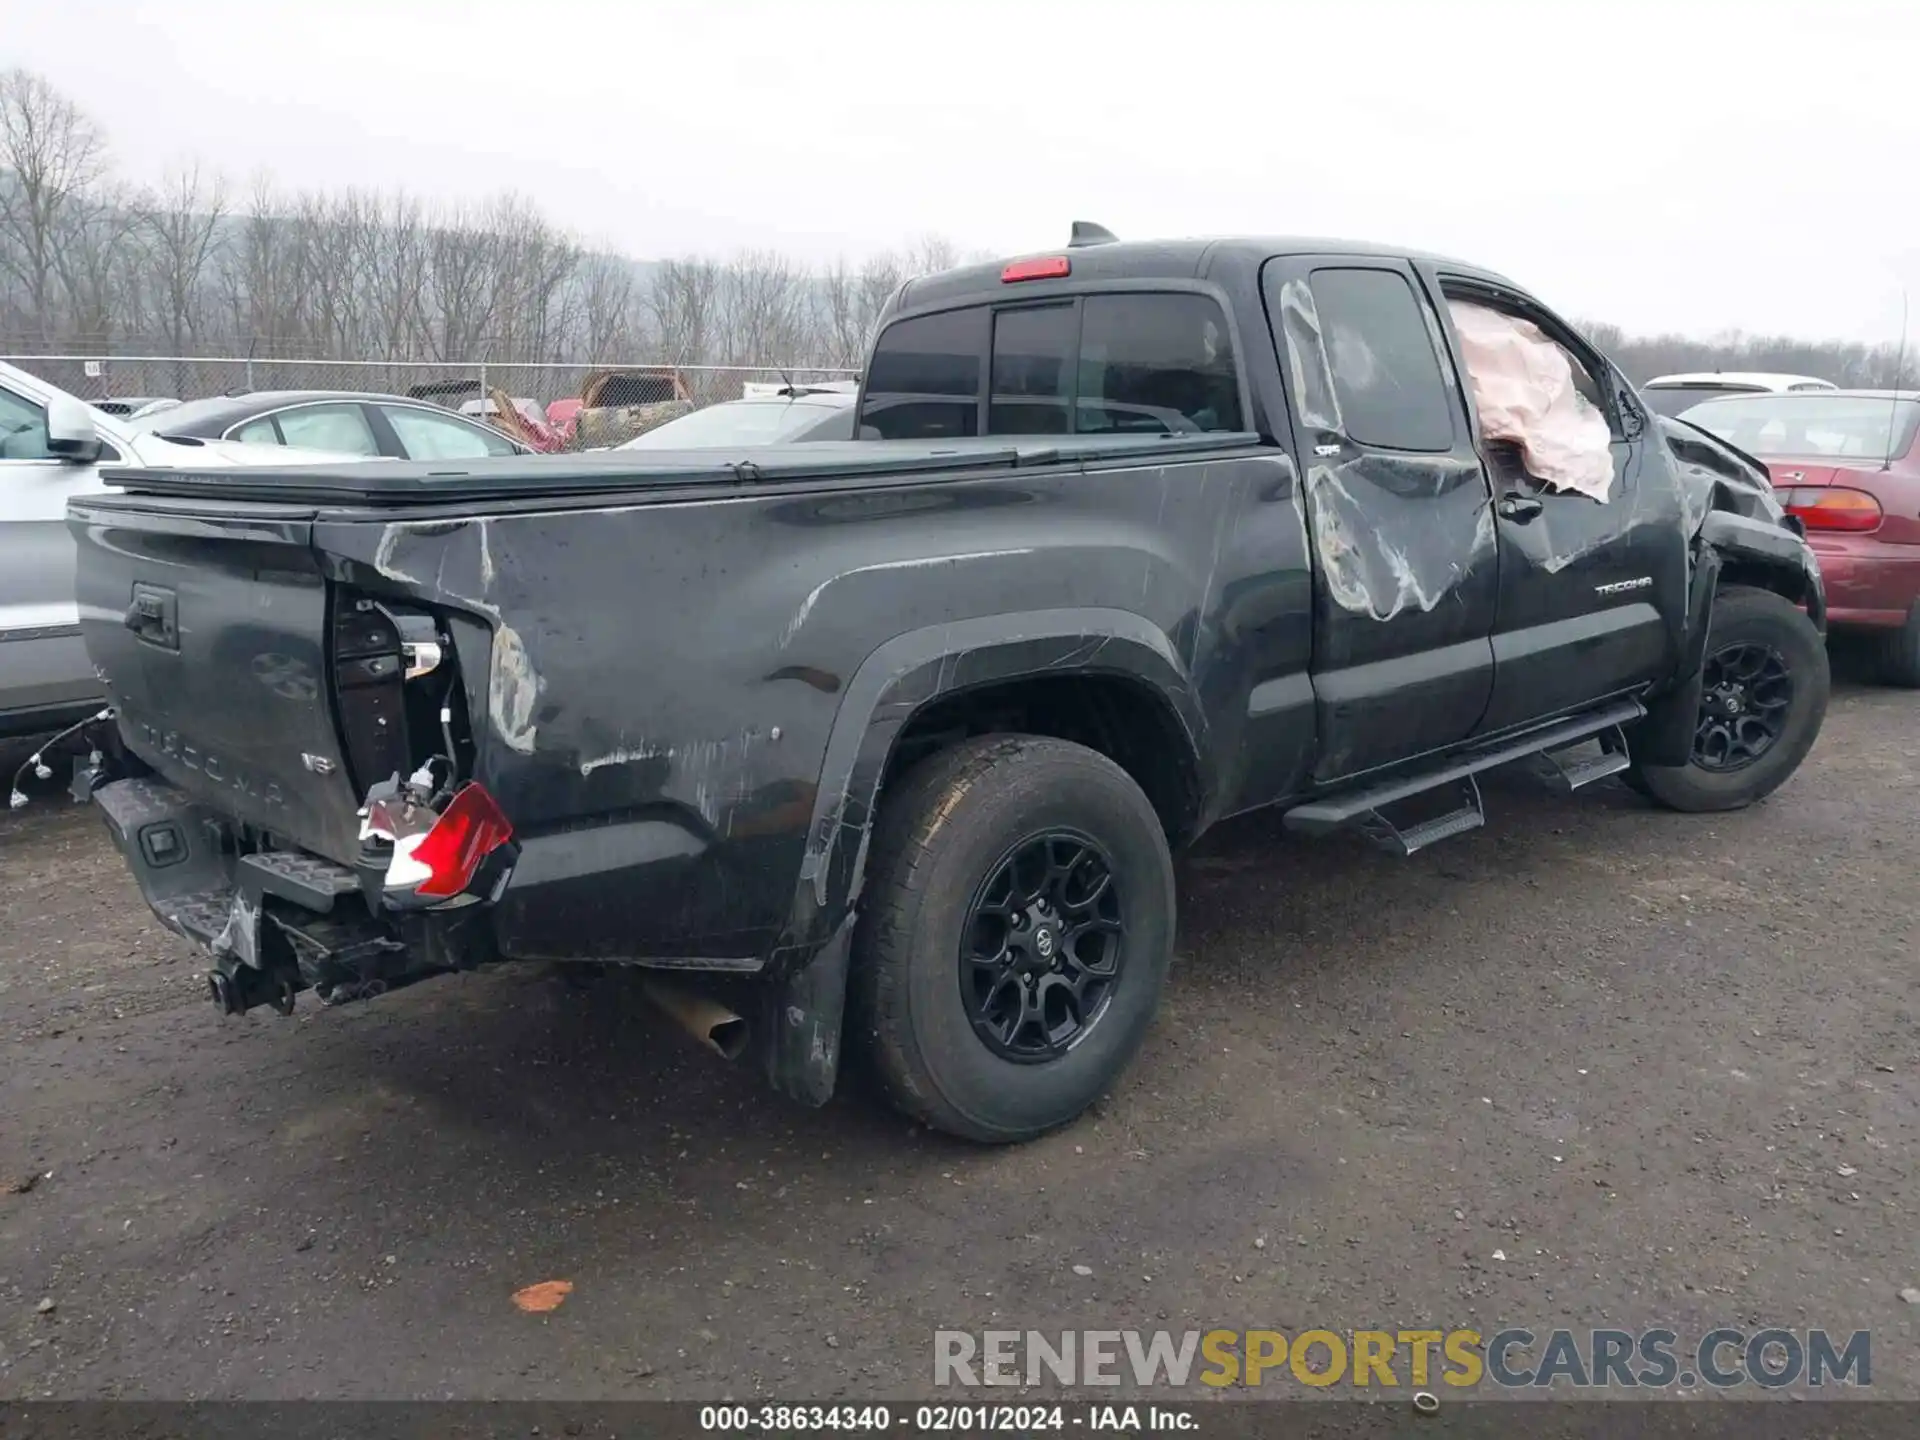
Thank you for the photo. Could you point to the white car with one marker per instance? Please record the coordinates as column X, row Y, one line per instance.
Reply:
column 52, row 447
column 1670, row 394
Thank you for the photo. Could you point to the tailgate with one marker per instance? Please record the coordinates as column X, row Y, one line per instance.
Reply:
column 211, row 629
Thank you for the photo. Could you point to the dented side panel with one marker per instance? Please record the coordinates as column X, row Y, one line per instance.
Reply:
column 679, row 702
column 1406, row 566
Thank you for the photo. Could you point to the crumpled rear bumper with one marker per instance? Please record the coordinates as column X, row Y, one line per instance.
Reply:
column 274, row 922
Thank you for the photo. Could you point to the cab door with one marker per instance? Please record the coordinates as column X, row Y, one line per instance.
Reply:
column 1592, row 594
column 1406, row 574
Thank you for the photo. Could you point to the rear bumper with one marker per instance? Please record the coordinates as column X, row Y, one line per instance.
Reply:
column 273, row 923
column 1870, row 583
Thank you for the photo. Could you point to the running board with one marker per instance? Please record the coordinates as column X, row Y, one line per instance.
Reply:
column 1365, row 809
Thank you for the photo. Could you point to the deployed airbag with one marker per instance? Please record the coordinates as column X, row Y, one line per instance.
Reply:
column 1524, row 390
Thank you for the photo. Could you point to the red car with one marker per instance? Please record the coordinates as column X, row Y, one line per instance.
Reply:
column 1845, row 463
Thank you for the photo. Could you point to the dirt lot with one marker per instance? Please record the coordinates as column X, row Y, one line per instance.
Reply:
column 1668, row 1067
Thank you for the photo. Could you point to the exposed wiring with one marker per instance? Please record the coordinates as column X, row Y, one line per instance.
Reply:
column 36, row 762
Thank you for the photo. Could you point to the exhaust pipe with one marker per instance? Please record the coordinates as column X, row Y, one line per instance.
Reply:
column 709, row 1022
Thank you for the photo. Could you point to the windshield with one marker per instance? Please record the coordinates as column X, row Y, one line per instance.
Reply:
column 1850, row 427
column 736, row 422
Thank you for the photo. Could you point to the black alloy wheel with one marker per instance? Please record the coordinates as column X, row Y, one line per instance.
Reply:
column 1043, row 947
column 1747, row 696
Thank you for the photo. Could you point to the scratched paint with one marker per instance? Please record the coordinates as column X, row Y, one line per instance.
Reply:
column 1310, row 375
column 1377, row 569
column 923, row 562
column 625, row 756
column 513, row 690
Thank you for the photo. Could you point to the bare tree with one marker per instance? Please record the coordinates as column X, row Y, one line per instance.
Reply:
column 607, row 309
column 395, row 266
column 764, row 311
column 180, row 228
column 54, row 153
column 684, row 302
column 96, row 261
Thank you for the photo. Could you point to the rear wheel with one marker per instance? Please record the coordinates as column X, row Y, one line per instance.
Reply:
column 1761, row 708
column 1015, row 938
column 1900, row 653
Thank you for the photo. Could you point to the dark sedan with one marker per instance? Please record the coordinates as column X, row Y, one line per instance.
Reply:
column 372, row 425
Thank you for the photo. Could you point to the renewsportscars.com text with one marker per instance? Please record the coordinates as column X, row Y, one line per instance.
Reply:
column 1512, row 1358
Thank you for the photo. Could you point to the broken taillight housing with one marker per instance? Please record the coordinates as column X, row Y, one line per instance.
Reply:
column 1832, row 508
column 448, row 856
column 436, row 856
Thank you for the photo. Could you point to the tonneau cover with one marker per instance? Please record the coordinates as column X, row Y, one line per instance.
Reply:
column 407, row 482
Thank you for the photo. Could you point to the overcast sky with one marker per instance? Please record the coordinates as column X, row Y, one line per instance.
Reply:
column 1692, row 165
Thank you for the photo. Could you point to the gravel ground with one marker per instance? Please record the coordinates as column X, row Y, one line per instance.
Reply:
column 1665, row 1066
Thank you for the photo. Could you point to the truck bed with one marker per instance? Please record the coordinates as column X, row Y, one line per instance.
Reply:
column 663, row 668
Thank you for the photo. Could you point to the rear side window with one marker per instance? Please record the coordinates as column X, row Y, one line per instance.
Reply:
column 923, row 381
column 1156, row 365
column 1136, row 363
column 340, row 428
column 1032, row 371
column 1385, row 372
column 259, row 432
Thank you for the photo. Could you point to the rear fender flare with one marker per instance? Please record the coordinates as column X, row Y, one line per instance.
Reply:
column 920, row 666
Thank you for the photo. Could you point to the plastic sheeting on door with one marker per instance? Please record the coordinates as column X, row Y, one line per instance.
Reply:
column 1523, row 387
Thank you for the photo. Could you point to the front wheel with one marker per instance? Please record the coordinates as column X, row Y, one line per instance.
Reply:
column 1015, row 936
column 1761, row 706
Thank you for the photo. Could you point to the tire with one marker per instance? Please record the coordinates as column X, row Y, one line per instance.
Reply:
column 1746, row 622
column 947, row 832
column 1899, row 653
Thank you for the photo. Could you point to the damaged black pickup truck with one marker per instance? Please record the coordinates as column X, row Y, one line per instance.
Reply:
column 893, row 740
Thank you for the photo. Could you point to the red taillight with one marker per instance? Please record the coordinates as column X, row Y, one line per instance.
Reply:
column 468, row 830
column 1051, row 267
column 1832, row 508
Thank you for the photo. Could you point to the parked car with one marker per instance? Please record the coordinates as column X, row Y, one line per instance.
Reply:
column 1845, row 464
column 52, row 447
column 889, row 744
column 792, row 415
column 343, row 422
column 1670, row 394
column 127, row 407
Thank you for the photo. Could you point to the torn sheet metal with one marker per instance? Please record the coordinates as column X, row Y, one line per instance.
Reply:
column 1379, row 562
column 1523, row 387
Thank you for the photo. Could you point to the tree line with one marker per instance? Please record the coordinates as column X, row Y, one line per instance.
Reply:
column 195, row 267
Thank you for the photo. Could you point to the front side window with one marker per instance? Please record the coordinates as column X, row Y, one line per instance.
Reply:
column 426, row 436
column 1386, row 374
column 340, row 428
column 23, row 429
column 923, row 381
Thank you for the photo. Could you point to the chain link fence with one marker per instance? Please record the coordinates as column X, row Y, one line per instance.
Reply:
column 545, row 395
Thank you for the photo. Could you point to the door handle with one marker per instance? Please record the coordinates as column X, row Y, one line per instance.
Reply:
column 152, row 616
column 1519, row 508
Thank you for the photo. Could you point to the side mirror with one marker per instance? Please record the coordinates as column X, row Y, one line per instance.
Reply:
column 70, row 432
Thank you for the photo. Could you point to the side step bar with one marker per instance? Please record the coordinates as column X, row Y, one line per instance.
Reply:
column 1365, row 809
